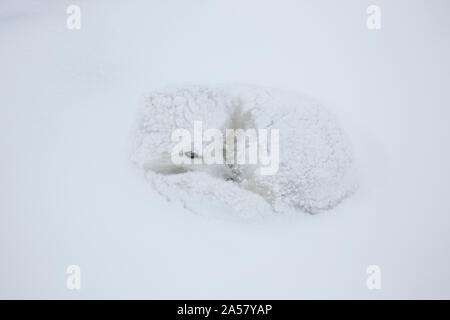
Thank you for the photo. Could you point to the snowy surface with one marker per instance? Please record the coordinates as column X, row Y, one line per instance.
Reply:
column 70, row 195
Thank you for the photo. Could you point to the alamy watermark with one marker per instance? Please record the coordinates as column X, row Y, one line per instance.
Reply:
column 73, row 21
column 220, row 148
column 73, row 281
column 374, row 20
column 373, row 282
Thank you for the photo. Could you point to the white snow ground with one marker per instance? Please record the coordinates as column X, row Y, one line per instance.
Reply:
column 69, row 195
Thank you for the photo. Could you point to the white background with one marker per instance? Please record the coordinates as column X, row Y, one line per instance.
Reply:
column 69, row 195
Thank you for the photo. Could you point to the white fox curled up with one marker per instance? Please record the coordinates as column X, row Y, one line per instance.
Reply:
column 312, row 157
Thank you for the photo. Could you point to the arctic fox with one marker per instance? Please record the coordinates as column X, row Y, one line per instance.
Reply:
column 315, row 166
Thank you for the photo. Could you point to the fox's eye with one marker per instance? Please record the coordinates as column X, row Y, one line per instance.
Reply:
column 191, row 155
